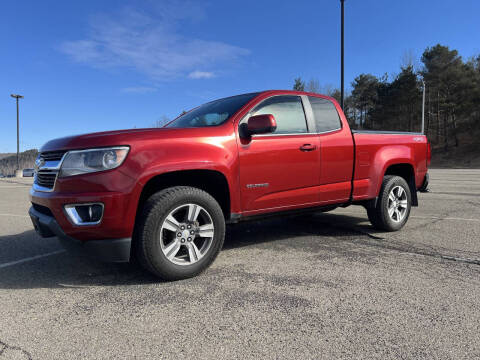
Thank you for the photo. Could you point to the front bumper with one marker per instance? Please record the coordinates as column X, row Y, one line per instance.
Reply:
column 118, row 214
column 108, row 250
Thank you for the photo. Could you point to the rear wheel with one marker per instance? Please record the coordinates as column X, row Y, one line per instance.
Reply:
column 393, row 205
column 180, row 232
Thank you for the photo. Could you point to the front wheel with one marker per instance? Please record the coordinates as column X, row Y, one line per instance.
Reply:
column 180, row 233
column 393, row 205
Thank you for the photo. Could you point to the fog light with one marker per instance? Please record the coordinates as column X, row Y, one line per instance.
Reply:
column 85, row 214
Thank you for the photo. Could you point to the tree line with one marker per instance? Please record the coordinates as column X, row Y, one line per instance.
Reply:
column 452, row 104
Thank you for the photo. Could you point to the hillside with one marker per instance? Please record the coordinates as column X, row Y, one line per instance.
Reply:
column 463, row 157
column 4, row 155
column 8, row 162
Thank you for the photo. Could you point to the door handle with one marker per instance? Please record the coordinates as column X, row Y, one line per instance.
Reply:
column 307, row 147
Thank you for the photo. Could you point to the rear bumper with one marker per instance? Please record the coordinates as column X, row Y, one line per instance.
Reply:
column 108, row 250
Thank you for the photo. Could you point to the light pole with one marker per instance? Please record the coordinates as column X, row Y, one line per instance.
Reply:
column 342, row 55
column 423, row 107
column 18, row 135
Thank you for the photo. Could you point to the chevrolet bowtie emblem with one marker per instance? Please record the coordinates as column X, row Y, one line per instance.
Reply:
column 39, row 163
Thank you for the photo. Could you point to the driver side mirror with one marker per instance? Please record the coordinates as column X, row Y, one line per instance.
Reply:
column 258, row 124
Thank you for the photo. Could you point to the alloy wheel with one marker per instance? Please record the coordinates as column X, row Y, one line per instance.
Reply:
column 186, row 234
column 397, row 204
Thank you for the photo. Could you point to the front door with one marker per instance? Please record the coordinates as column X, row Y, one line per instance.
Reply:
column 281, row 170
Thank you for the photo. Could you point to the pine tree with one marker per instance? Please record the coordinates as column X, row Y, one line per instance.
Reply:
column 299, row 85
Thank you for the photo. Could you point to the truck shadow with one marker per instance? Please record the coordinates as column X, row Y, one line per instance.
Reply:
column 63, row 270
column 290, row 227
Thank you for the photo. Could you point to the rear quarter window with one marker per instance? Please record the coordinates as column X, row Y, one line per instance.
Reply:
column 325, row 114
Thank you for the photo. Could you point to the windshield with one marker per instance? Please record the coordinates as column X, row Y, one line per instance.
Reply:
column 212, row 113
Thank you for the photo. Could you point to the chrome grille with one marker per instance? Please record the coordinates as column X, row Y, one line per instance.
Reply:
column 47, row 168
column 52, row 155
column 46, row 178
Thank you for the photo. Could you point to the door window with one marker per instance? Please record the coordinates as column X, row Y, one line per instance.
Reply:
column 288, row 113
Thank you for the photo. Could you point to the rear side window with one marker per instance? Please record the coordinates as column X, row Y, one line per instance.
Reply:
column 325, row 113
column 288, row 113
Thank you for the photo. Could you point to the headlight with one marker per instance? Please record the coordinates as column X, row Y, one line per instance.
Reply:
column 92, row 160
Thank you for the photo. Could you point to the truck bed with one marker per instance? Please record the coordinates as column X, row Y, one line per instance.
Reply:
column 376, row 151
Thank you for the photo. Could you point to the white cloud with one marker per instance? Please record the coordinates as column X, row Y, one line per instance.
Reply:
column 152, row 44
column 197, row 74
column 139, row 89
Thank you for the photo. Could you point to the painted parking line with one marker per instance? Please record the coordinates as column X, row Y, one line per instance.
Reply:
column 416, row 217
column 444, row 218
column 13, row 187
column 21, row 261
column 16, row 215
column 12, row 183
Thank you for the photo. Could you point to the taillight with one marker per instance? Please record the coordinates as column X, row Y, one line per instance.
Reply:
column 429, row 153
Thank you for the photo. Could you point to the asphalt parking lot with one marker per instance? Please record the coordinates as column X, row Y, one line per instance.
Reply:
column 305, row 287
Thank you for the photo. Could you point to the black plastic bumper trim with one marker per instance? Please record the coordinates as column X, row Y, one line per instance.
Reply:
column 108, row 250
column 424, row 187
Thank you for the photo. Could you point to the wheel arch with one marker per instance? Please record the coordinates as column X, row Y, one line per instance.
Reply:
column 211, row 181
column 407, row 172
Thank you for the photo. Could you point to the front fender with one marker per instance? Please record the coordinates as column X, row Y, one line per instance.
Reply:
column 218, row 153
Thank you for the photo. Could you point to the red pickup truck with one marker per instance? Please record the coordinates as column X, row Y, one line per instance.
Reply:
column 164, row 195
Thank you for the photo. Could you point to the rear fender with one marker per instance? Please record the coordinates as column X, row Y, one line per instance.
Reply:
column 384, row 159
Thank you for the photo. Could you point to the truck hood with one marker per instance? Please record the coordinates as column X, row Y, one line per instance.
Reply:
column 112, row 138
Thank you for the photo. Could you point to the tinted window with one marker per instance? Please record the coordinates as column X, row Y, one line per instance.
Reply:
column 288, row 112
column 212, row 113
column 325, row 113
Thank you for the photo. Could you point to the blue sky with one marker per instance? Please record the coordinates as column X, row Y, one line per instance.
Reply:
column 86, row 66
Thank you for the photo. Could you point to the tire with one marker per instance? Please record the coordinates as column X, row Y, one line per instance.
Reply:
column 168, row 219
column 394, row 194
